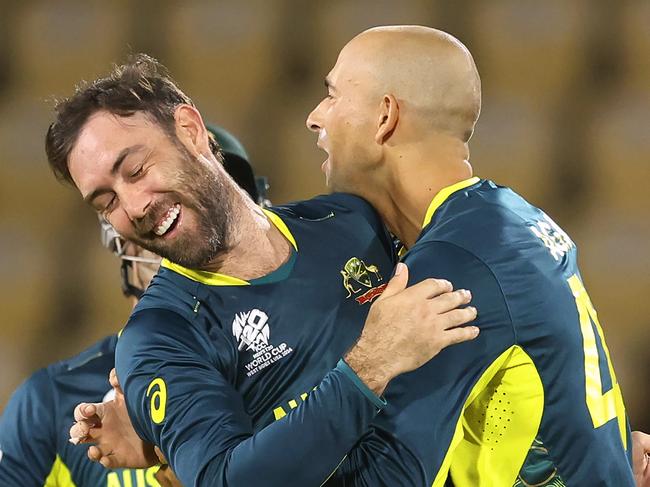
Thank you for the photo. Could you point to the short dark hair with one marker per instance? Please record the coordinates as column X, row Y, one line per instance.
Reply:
column 142, row 84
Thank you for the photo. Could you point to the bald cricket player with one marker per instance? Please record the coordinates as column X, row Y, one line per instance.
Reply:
column 534, row 399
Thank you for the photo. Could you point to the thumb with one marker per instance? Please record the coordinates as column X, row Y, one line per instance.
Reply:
column 397, row 283
column 160, row 455
column 114, row 381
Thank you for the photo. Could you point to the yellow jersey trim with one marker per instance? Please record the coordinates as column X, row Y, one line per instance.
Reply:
column 499, row 421
column 442, row 196
column 216, row 279
column 280, row 225
column 60, row 475
column 204, row 277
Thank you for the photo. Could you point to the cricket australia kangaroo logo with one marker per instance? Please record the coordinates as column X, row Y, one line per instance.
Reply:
column 252, row 331
column 362, row 280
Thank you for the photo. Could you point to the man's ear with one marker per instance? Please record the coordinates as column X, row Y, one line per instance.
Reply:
column 388, row 118
column 191, row 130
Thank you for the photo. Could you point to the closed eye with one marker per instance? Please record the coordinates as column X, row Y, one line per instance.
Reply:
column 137, row 172
column 329, row 88
column 110, row 205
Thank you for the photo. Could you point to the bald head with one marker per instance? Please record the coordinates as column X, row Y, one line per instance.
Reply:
column 430, row 72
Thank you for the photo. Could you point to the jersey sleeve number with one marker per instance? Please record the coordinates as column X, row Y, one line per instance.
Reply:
column 603, row 407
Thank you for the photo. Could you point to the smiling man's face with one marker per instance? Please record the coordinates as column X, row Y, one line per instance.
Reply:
column 347, row 119
column 151, row 188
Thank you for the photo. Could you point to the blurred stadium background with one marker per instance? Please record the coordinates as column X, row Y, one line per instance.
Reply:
column 565, row 122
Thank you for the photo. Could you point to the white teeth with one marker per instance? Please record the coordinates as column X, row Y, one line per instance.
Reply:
column 172, row 214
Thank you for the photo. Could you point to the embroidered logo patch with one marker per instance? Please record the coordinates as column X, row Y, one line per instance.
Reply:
column 361, row 280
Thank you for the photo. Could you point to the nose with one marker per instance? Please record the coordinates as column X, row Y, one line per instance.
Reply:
column 135, row 203
column 313, row 120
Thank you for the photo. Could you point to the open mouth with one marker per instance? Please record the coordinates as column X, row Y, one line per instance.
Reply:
column 324, row 163
column 169, row 221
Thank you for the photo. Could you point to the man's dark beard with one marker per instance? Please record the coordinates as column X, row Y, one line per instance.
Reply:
column 201, row 190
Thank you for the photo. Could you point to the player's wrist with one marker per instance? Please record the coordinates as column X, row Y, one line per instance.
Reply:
column 372, row 395
column 370, row 372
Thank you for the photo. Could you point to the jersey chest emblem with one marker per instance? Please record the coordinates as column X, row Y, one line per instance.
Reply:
column 253, row 334
column 361, row 280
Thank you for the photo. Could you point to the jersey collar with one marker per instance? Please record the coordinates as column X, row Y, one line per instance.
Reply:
column 442, row 196
column 216, row 279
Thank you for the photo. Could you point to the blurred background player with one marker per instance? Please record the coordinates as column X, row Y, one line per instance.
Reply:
column 41, row 409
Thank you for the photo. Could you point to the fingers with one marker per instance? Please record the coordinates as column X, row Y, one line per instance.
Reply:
column 166, row 477
column 95, row 453
column 78, row 432
column 458, row 317
column 642, row 440
column 397, row 283
column 160, row 455
column 640, row 451
column 449, row 301
column 460, row 335
column 99, row 410
column 89, row 411
column 106, row 460
column 430, row 288
column 81, row 412
column 84, row 432
column 88, row 418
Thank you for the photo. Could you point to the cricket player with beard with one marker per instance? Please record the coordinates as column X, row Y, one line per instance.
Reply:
column 500, row 410
column 231, row 362
column 34, row 427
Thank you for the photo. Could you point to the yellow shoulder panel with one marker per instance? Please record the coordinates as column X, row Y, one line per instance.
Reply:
column 59, row 475
column 500, row 420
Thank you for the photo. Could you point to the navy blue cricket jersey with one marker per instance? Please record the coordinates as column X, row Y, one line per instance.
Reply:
column 209, row 362
column 35, row 425
column 534, row 399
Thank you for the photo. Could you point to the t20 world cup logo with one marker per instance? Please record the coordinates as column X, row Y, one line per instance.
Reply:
column 251, row 330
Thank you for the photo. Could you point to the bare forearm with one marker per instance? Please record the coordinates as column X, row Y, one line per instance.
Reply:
column 362, row 358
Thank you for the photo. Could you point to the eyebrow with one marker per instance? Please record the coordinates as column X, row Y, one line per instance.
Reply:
column 124, row 153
